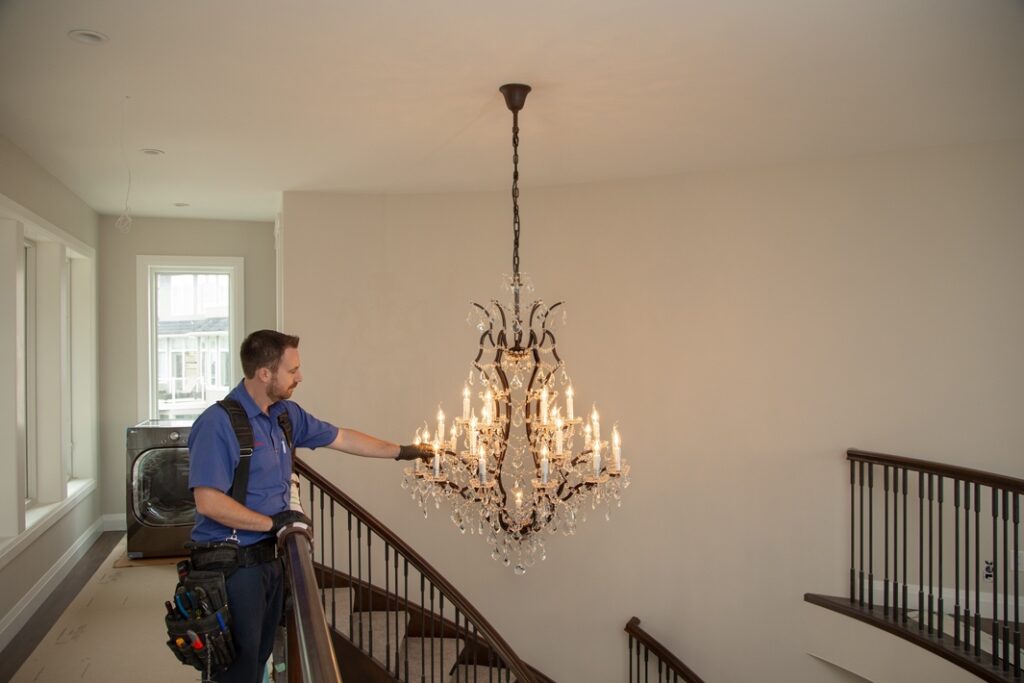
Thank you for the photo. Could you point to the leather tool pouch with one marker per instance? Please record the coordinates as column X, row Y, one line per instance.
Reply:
column 199, row 629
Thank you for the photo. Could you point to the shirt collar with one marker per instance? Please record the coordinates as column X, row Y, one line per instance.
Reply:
column 251, row 409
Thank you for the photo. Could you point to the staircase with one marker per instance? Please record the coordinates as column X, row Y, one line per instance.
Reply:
column 390, row 615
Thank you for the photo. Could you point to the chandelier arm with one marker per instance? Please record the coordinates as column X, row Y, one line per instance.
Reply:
column 533, row 311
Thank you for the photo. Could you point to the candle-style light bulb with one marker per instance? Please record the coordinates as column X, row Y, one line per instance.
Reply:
column 488, row 407
column 437, row 458
column 586, row 436
column 483, row 464
column 544, row 464
column 595, row 420
column 544, row 405
column 617, row 447
column 472, row 433
column 597, row 458
column 440, row 423
column 568, row 403
column 465, row 401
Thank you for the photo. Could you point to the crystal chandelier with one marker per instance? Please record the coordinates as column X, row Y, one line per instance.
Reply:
column 520, row 460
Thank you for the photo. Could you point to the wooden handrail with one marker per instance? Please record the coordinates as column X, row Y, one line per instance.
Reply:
column 315, row 651
column 662, row 652
column 522, row 672
column 997, row 481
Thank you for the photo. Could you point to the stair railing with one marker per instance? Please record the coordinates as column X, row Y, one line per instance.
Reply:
column 670, row 669
column 315, row 651
column 372, row 554
column 900, row 515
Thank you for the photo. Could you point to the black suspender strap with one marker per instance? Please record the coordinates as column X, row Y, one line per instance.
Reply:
column 243, row 432
column 286, row 426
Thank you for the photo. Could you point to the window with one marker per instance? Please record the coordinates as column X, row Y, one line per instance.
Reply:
column 190, row 315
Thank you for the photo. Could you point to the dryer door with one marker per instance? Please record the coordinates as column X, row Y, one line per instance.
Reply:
column 160, row 493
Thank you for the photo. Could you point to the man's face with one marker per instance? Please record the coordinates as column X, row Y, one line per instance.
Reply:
column 287, row 376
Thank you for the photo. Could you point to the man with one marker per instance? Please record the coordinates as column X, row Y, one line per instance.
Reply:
column 270, row 362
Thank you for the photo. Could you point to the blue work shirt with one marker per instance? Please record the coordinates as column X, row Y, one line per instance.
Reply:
column 214, row 455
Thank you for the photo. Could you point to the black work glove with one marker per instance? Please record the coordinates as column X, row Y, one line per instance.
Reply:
column 416, row 452
column 289, row 521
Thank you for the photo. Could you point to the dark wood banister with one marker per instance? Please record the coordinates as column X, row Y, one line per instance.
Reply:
column 996, row 481
column 662, row 652
column 523, row 672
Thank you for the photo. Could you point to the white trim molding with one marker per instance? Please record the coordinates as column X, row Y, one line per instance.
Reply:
column 19, row 615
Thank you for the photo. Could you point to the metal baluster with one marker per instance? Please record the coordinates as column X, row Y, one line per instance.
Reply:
column 1006, row 583
column 440, row 617
column 942, row 603
column 904, row 545
column 853, row 533
column 387, row 607
column 931, row 551
column 871, row 536
column 1016, row 585
column 423, row 630
column 476, row 651
column 399, row 611
column 433, row 625
column 630, row 659
column 359, row 581
column 461, row 655
column 995, row 576
column 334, row 575
column 895, row 542
column 646, row 666
column 405, row 571
column 860, row 600
column 638, row 660
column 920, row 551
column 323, row 547
column 956, row 562
column 885, row 542
column 659, row 668
column 977, row 569
column 967, row 566
column 351, row 602
column 369, row 581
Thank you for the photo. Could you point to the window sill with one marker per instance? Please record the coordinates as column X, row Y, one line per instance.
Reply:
column 39, row 518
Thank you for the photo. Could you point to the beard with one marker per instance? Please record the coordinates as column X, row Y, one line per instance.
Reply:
column 277, row 392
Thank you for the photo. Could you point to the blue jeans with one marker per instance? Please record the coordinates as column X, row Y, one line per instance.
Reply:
column 256, row 600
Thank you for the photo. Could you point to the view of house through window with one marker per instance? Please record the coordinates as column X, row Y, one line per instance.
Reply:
column 193, row 359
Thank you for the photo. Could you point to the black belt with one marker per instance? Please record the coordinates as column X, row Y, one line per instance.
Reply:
column 258, row 553
column 222, row 556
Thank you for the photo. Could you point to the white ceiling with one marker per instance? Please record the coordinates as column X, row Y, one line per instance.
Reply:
column 253, row 97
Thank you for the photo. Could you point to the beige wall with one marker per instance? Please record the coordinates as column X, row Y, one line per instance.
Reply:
column 743, row 329
column 118, row 379
column 24, row 181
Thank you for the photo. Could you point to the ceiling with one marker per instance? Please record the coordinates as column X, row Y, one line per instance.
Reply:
column 249, row 98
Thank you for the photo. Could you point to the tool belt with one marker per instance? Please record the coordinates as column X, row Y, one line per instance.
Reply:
column 199, row 622
column 227, row 557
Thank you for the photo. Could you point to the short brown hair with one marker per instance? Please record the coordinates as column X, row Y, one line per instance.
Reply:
column 263, row 349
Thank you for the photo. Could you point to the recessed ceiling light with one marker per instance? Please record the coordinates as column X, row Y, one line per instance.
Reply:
column 180, row 204
column 87, row 36
column 151, row 151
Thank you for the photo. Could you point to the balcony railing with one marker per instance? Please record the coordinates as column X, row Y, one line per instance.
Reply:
column 935, row 558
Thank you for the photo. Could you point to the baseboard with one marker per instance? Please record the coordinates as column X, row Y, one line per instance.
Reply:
column 114, row 522
column 19, row 615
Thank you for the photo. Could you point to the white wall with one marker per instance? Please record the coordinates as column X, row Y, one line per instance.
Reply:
column 743, row 328
column 253, row 241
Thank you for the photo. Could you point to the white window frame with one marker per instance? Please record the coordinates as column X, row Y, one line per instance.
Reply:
column 147, row 268
column 28, row 421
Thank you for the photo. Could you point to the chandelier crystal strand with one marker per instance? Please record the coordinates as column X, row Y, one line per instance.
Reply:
column 518, row 460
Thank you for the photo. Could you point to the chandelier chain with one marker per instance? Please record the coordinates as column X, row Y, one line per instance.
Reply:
column 515, row 196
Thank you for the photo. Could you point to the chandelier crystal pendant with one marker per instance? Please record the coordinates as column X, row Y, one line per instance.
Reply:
column 520, row 460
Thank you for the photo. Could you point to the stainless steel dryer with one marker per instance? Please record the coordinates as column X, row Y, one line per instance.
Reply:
column 160, row 507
